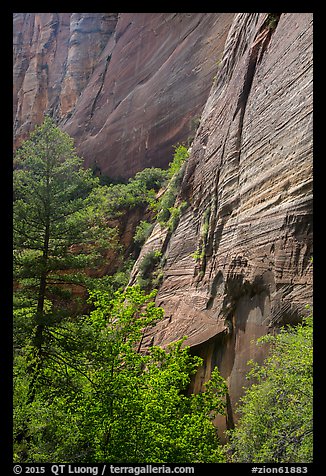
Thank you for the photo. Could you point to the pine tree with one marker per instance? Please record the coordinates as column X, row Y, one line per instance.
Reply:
column 54, row 229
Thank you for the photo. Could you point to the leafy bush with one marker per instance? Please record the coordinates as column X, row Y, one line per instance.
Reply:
column 123, row 197
column 275, row 424
column 100, row 400
column 180, row 155
column 147, row 268
column 148, row 263
column 139, row 191
column 106, row 180
column 150, row 178
column 143, row 230
column 200, row 253
column 165, row 204
column 175, row 213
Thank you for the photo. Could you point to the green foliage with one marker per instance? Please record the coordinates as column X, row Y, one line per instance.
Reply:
column 139, row 191
column 58, row 232
column 106, row 180
column 179, row 157
column 200, row 253
column 272, row 20
column 175, row 214
column 167, row 214
column 99, row 400
column 111, row 283
column 150, row 178
column 143, row 230
column 82, row 390
column 55, row 223
column 275, row 423
column 122, row 197
column 165, row 206
column 205, row 224
column 148, row 262
column 157, row 277
column 148, row 274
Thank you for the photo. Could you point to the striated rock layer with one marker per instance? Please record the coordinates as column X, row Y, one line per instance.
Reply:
column 54, row 57
column 248, row 184
column 127, row 86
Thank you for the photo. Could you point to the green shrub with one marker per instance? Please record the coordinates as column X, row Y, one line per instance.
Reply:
column 276, row 417
column 157, row 278
column 148, row 263
column 180, row 155
column 175, row 213
column 143, row 230
column 106, row 180
column 139, row 191
column 205, row 224
column 198, row 255
column 148, row 270
column 151, row 178
column 165, row 204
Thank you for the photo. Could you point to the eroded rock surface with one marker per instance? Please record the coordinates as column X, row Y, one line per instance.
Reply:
column 54, row 57
column 248, row 184
column 126, row 86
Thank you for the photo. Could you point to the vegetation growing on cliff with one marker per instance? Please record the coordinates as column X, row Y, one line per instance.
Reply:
column 167, row 213
column 143, row 230
column 83, row 391
column 139, row 191
column 200, row 253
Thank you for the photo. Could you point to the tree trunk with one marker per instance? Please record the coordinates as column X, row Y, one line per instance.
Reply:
column 38, row 338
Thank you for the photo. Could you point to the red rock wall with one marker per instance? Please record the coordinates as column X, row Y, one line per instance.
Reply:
column 126, row 86
column 250, row 175
column 54, row 56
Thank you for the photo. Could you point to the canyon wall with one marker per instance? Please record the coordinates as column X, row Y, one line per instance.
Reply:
column 127, row 87
column 248, row 185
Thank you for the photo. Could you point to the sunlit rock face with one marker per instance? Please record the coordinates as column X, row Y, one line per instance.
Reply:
column 127, row 87
column 248, row 185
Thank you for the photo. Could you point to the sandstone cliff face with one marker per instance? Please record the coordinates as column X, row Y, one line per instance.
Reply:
column 54, row 56
column 248, row 184
column 126, row 86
